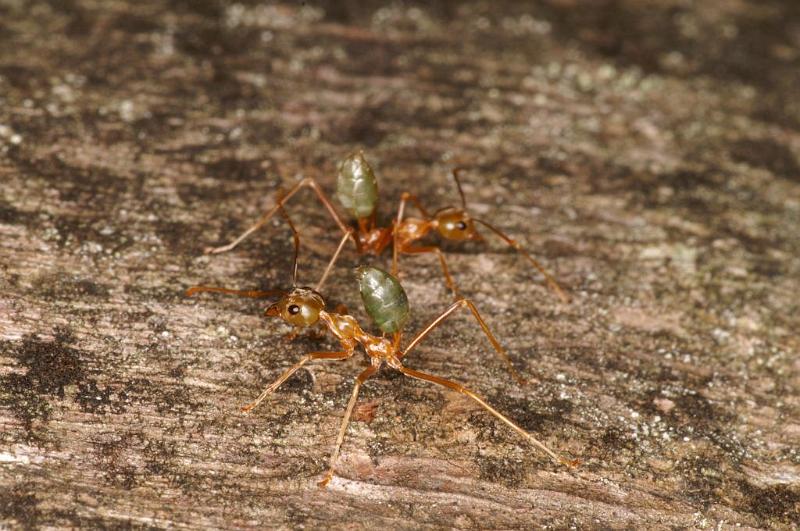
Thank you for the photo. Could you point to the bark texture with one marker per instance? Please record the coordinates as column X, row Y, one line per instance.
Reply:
column 648, row 152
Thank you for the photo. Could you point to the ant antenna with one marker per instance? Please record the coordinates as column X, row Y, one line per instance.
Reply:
column 551, row 282
column 251, row 294
column 347, row 235
column 456, row 171
column 296, row 243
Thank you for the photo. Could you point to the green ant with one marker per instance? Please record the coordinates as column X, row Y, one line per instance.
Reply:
column 386, row 303
column 357, row 191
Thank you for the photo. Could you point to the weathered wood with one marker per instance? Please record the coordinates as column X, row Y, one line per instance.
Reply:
column 647, row 152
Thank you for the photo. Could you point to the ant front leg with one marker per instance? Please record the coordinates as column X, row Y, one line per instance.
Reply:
column 451, row 285
column 466, row 303
column 464, row 391
column 341, row 355
column 369, row 371
column 420, row 229
column 406, row 198
column 307, row 182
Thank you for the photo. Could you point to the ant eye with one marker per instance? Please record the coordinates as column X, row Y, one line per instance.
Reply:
column 461, row 225
column 294, row 309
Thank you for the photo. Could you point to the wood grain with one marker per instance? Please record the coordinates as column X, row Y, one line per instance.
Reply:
column 648, row 153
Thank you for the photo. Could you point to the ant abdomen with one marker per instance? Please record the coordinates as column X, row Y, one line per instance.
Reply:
column 356, row 186
column 384, row 298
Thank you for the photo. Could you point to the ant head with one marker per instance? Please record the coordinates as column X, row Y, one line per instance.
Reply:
column 300, row 307
column 456, row 224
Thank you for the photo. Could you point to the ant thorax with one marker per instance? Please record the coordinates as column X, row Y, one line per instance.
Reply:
column 344, row 327
column 347, row 330
column 411, row 229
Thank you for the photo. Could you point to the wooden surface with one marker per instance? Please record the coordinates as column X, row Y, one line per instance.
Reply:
column 647, row 152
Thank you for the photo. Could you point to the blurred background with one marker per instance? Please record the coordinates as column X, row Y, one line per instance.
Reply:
column 647, row 152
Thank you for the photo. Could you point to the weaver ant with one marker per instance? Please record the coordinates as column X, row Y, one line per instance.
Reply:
column 357, row 191
column 386, row 302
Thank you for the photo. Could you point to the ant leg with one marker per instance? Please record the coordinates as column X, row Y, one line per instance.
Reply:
column 406, row 197
column 463, row 390
column 551, row 282
column 309, row 182
column 366, row 373
column 348, row 234
column 395, row 252
column 396, row 338
column 291, row 370
column 433, row 249
column 461, row 303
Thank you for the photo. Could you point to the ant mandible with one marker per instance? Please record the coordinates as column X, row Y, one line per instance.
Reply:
column 386, row 302
column 357, row 191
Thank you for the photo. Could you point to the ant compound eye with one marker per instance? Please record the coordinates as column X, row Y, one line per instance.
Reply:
column 294, row 309
column 461, row 225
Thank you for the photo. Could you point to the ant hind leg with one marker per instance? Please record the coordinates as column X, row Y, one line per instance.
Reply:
column 466, row 303
column 464, row 391
column 282, row 200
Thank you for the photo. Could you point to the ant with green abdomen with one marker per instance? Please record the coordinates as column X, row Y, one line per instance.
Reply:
column 357, row 191
column 386, row 303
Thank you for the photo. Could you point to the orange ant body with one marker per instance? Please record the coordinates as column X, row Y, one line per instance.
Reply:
column 387, row 304
column 357, row 190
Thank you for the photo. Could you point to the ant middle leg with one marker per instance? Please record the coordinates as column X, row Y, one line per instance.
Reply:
column 366, row 373
column 307, row 182
column 341, row 355
column 466, row 303
column 464, row 391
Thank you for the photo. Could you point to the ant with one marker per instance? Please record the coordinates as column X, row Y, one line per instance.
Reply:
column 357, row 191
column 386, row 302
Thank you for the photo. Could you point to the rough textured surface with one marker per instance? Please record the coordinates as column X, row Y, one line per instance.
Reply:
column 647, row 151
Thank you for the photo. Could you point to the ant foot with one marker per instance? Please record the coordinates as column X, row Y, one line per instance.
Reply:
column 327, row 479
column 521, row 380
column 216, row 250
column 570, row 463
